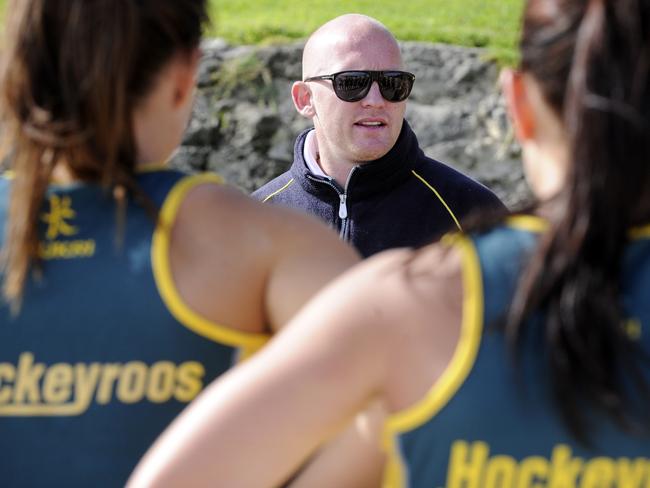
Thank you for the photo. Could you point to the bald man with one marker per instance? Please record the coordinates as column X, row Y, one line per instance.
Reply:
column 360, row 168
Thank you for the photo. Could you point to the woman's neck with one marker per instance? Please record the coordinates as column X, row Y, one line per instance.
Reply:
column 62, row 174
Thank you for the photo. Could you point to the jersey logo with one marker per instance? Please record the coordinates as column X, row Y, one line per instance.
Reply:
column 633, row 329
column 57, row 219
column 59, row 227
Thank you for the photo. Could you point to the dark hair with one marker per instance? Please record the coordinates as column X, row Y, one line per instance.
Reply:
column 72, row 72
column 591, row 59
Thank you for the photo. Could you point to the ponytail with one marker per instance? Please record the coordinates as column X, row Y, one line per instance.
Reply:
column 574, row 275
column 72, row 72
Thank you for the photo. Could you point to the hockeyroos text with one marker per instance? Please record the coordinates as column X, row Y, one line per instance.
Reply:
column 31, row 388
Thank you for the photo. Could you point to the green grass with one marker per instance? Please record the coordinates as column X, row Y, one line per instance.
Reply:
column 492, row 24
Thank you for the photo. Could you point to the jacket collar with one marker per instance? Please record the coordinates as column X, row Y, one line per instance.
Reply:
column 368, row 178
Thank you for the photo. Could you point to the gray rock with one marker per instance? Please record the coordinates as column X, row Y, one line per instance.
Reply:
column 244, row 124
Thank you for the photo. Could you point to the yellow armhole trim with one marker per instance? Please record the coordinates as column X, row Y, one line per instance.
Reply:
column 152, row 168
column 165, row 283
column 529, row 223
column 640, row 232
column 455, row 373
column 287, row 185
column 532, row 223
column 439, row 198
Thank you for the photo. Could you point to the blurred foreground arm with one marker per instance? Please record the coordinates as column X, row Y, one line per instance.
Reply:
column 261, row 421
column 367, row 336
column 354, row 458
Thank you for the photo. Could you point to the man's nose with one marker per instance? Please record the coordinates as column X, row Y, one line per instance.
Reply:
column 373, row 98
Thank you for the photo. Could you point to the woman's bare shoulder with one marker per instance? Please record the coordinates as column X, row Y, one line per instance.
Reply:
column 412, row 300
column 424, row 276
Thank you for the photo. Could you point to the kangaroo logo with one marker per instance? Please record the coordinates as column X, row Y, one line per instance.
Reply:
column 57, row 219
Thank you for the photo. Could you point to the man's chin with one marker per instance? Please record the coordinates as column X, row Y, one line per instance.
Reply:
column 369, row 156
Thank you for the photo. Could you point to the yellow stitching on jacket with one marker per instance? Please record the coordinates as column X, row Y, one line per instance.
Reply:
column 280, row 190
column 439, row 198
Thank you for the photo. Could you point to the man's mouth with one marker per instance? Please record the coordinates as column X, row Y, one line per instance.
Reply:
column 370, row 123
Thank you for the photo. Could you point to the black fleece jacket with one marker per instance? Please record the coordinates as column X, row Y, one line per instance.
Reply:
column 401, row 199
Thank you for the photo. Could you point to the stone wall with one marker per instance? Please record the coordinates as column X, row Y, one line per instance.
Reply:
column 244, row 122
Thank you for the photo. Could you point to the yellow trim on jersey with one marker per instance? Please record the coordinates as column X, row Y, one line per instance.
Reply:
column 153, row 167
column 286, row 185
column 536, row 224
column 165, row 283
column 394, row 475
column 456, row 372
column 642, row 232
column 530, row 223
column 428, row 185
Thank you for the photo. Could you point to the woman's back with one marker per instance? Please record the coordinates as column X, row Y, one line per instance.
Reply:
column 486, row 423
column 101, row 357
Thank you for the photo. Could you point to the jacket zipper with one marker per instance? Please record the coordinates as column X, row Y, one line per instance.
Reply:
column 344, row 234
column 343, row 209
column 343, row 206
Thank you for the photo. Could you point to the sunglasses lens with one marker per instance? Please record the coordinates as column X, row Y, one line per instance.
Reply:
column 351, row 86
column 395, row 86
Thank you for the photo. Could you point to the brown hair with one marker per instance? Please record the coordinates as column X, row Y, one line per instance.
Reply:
column 591, row 59
column 71, row 74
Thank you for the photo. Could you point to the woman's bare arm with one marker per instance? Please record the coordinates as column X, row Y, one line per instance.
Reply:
column 354, row 458
column 260, row 422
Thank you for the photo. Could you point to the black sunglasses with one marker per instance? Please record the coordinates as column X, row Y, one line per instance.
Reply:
column 352, row 86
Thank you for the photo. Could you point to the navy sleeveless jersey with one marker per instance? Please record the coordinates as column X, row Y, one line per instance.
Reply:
column 479, row 425
column 103, row 353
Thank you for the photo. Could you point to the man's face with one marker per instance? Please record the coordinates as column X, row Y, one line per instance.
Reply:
column 353, row 132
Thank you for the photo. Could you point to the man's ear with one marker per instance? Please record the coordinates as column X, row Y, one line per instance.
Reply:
column 302, row 99
column 513, row 86
column 185, row 68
